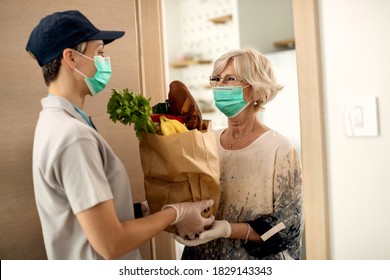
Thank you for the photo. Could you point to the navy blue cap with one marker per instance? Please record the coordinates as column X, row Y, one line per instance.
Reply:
column 62, row 30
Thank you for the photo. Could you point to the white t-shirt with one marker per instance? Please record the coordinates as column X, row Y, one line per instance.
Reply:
column 74, row 169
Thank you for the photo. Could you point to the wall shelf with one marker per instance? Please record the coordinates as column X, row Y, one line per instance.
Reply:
column 222, row 19
column 289, row 43
column 185, row 63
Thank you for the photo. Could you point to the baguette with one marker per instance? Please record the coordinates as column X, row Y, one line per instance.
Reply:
column 183, row 104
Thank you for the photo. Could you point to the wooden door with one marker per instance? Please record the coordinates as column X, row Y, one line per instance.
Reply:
column 137, row 62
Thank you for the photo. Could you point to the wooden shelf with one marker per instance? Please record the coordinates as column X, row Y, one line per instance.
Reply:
column 185, row 63
column 289, row 43
column 222, row 19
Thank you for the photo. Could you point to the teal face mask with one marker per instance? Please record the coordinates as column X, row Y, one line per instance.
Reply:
column 230, row 100
column 102, row 75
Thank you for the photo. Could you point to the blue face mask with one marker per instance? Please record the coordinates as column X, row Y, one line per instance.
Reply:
column 102, row 75
column 230, row 100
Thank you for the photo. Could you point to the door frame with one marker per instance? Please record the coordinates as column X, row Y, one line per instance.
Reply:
column 313, row 141
column 153, row 72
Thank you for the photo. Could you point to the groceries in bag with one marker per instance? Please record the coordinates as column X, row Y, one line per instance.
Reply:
column 178, row 152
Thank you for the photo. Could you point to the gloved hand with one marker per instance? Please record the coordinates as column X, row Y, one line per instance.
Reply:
column 189, row 220
column 219, row 229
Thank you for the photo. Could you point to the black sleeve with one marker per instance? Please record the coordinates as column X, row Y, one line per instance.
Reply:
column 137, row 210
column 273, row 245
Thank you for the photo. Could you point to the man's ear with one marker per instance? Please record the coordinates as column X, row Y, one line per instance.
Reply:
column 68, row 58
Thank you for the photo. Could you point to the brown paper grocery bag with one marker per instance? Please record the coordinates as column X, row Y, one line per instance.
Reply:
column 179, row 168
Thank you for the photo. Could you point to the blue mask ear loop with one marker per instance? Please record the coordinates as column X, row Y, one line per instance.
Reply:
column 81, row 112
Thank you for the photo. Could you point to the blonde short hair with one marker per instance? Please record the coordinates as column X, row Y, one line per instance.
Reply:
column 252, row 67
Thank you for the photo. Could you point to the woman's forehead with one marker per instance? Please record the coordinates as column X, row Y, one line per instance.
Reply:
column 229, row 69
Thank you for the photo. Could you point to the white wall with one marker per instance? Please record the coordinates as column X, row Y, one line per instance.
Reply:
column 262, row 22
column 354, row 39
column 282, row 113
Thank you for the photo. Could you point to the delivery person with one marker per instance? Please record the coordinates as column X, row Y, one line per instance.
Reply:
column 82, row 190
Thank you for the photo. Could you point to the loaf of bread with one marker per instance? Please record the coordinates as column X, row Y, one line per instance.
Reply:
column 183, row 104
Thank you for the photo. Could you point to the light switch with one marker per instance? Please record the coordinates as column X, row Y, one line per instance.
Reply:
column 360, row 116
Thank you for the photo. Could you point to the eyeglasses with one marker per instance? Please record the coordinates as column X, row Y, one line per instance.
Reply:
column 229, row 80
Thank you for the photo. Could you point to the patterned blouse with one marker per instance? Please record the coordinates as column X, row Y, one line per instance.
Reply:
column 261, row 185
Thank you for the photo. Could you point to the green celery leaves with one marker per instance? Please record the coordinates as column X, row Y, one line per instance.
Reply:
column 129, row 108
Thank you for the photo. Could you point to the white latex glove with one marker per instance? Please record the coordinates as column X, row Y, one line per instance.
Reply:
column 189, row 220
column 219, row 229
column 145, row 208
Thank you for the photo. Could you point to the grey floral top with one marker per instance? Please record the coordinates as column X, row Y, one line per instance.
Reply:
column 261, row 184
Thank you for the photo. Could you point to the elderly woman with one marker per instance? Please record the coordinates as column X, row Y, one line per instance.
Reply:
column 260, row 213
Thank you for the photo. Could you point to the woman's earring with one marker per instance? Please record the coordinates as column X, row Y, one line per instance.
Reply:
column 255, row 102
